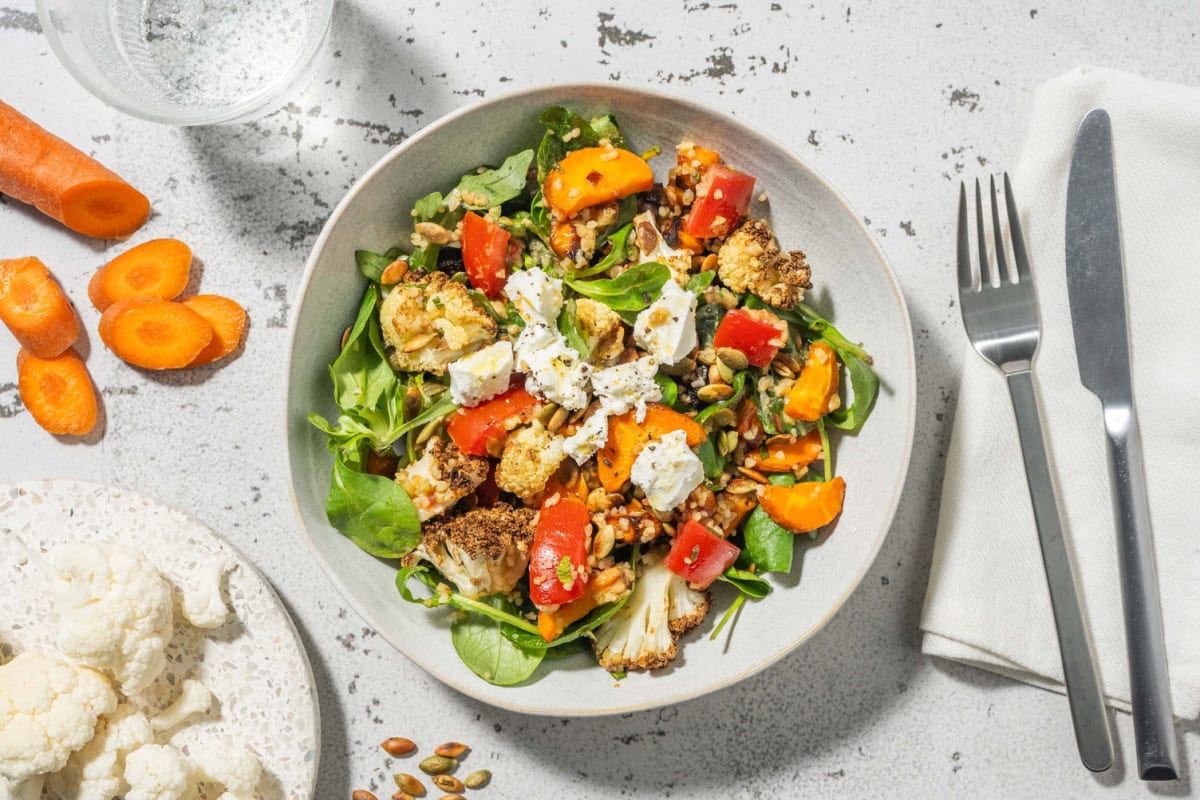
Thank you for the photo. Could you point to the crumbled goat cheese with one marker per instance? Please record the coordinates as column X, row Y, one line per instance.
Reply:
column 667, row 328
column 481, row 375
column 667, row 471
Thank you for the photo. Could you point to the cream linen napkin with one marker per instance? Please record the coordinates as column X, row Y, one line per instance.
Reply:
column 987, row 602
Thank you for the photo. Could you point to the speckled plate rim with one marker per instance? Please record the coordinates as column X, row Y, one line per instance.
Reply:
column 83, row 486
column 909, row 399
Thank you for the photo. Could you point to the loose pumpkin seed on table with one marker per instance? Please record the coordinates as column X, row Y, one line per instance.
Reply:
column 438, row 765
column 409, row 784
column 477, row 779
column 398, row 746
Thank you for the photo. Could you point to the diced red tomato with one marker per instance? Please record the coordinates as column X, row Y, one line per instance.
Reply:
column 484, row 251
column 472, row 428
column 699, row 555
column 755, row 331
column 722, row 198
column 558, row 561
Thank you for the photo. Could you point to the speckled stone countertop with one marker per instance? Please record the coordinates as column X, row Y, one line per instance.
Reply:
column 891, row 104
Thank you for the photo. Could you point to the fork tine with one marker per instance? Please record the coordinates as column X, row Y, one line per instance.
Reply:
column 1018, row 240
column 1002, row 272
column 966, row 276
column 985, row 267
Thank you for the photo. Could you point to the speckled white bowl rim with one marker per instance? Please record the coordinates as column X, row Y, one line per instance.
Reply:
column 494, row 695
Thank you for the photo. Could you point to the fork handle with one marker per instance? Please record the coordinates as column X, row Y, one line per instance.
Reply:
column 1084, row 694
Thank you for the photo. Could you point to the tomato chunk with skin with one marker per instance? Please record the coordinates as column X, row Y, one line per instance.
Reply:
column 484, row 252
column 472, row 428
column 722, row 199
column 700, row 556
column 558, row 571
column 755, row 331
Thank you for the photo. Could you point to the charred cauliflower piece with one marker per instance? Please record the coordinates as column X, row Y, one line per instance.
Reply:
column 531, row 456
column 484, row 551
column 441, row 477
column 645, row 633
column 430, row 324
column 602, row 330
column 750, row 261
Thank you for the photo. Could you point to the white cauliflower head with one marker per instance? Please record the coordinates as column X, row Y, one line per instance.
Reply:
column 97, row 772
column 432, row 324
column 750, row 261
column 203, row 605
column 652, row 247
column 602, row 330
column 48, row 710
column 531, row 457
column 441, row 477
column 644, row 634
column 194, row 698
column 234, row 767
column 114, row 611
column 159, row 772
column 484, row 551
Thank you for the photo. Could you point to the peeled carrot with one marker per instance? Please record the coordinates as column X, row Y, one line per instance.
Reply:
column 784, row 456
column 626, row 438
column 593, row 175
column 57, row 392
column 38, row 168
column 227, row 319
column 35, row 309
column 155, row 334
column 815, row 392
column 805, row 506
column 157, row 268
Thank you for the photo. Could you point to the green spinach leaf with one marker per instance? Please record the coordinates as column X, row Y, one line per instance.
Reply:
column 373, row 512
column 619, row 254
column 373, row 264
column 670, row 390
column 701, row 281
column 708, row 317
column 497, row 186
column 485, row 650
column 749, row 584
column 632, row 290
column 864, row 384
column 429, row 207
column 568, row 326
column 769, row 545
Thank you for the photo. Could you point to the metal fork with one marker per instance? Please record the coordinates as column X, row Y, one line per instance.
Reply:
column 999, row 311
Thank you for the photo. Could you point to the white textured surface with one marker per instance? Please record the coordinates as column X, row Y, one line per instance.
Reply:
column 253, row 665
column 891, row 104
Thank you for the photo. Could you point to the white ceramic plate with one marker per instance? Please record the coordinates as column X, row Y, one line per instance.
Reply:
column 254, row 664
column 854, row 286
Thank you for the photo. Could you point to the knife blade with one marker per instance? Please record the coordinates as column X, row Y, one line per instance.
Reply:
column 1096, row 292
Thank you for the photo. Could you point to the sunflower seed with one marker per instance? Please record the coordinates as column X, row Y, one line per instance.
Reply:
column 409, row 784
column 782, row 370
column 438, row 765
column 787, row 360
column 419, row 341
column 398, row 746
column 733, row 358
column 714, row 392
column 448, row 783
column 477, row 779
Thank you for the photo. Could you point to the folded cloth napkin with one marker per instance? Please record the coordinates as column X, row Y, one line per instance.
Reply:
column 987, row 602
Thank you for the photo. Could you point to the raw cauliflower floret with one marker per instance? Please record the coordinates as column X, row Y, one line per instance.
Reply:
column 644, row 634
column 531, row 456
column 97, row 772
column 750, row 261
column 194, row 698
column 203, row 605
column 441, row 477
column 48, row 710
column 431, row 324
column 653, row 247
column 232, row 766
column 485, row 551
column 602, row 330
column 114, row 611
column 29, row 789
column 159, row 772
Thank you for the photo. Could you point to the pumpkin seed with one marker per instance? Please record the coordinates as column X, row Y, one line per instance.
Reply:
column 438, row 765
column 477, row 779
column 707, row 356
column 731, row 440
column 788, row 360
column 780, row 438
column 429, row 431
column 602, row 545
column 363, row 794
column 409, row 784
column 394, row 272
column 345, row 338
column 433, row 233
column 557, row 420
column 722, row 418
column 398, row 746
column 733, row 358
column 723, row 447
column 412, row 402
column 419, row 341
column 403, row 796
column 753, row 474
column 680, row 368
column 546, row 412
column 709, row 263
column 448, row 783
column 434, row 389
column 714, row 392
column 741, row 486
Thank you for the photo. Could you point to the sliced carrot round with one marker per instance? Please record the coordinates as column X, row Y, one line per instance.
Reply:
column 57, row 392
column 228, row 321
column 157, row 268
column 35, row 309
column 155, row 334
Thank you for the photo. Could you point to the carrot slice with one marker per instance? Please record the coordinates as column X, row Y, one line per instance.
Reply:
column 593, row 175
column 157, row 268
column 155, row 334
column 815, row 392
column 38, row 168
column 784, row 456
column 57, row 392
column 626, row 438
column 35, row 309
column 805, row 506
column 228, row 321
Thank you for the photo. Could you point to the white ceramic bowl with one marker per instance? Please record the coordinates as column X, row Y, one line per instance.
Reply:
column 854, row 286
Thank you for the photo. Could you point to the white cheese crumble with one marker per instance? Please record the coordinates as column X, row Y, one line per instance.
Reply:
column 535, row 295
column 626, row 386
column 551, row 367
column 481, row 375
column 590, row 437
column 667, row 471
column 667, row 328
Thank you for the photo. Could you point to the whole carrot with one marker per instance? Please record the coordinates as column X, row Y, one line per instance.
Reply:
column 38, row 168
column 34, row 307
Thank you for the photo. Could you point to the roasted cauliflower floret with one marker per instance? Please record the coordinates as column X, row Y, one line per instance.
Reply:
column 645, row 633
column 441, row 477
column 430, row 324
column 750, row 261
column 484, row 551
column 653, row 247
column 602, row 330
column 531, row 456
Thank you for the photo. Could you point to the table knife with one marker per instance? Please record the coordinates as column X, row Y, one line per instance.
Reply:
column 1096, row 289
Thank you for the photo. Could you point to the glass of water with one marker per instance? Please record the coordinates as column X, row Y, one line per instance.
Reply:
column 188, row 62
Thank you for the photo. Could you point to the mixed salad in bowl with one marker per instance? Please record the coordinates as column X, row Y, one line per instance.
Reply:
column 581, row 395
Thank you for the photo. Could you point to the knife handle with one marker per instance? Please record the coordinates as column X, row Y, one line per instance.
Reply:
column 1150, row 690
column 1084, row 694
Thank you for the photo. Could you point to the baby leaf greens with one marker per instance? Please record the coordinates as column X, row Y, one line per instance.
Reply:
column 632, row 290
column 495, row 187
